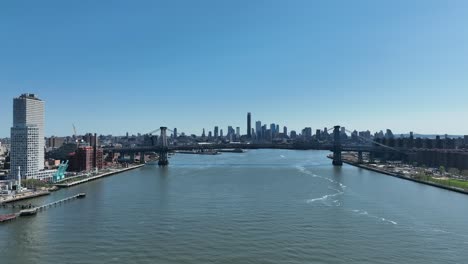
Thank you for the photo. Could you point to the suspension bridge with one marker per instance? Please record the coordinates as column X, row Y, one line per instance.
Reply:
column 162, row 148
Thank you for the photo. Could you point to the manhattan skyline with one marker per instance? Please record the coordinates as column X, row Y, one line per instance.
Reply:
column 188, row 65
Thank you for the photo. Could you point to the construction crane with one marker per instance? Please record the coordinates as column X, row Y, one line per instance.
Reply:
column 75, row 136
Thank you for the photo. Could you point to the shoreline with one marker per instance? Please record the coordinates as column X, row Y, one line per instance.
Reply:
column 363, row 166
column 66, row 185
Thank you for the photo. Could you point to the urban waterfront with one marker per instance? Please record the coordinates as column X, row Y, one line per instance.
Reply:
column 261, row 206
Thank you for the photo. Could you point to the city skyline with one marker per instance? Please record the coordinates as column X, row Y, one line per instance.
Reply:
column 374, row 66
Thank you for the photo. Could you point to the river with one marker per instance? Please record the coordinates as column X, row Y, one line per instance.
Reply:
column 262, row 206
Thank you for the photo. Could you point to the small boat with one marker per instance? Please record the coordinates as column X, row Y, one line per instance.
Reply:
column 26, row 212
column 81, row 195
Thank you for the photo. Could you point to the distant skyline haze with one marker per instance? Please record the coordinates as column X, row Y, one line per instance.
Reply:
column 113, row 67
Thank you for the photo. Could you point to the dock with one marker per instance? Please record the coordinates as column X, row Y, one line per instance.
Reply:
column 66, row 185
column 35, row 210
column 7, row 217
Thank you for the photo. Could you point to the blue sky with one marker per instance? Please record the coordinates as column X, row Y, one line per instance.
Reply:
column 118, row 66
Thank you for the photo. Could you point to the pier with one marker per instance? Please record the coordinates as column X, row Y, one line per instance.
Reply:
column 34, row 210
column 45, row 206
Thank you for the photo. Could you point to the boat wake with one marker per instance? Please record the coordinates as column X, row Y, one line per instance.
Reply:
column 362, row 212
column 305, row 171
column 325, row 197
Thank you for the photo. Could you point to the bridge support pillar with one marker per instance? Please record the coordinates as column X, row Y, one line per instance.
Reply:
column 132, row 157
column 360, row 159
column 142, row 157
column 371, row 157
column 163, row 160
column 337, row 161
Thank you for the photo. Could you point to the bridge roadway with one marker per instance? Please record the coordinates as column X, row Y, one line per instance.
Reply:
column 329, row 147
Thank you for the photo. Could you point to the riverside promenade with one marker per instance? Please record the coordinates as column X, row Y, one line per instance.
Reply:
column 23, row 196
column 92, row 178
column 402, row 176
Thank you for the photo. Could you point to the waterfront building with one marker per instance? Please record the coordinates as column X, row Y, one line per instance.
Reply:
column 86, row 158
column 27, row 137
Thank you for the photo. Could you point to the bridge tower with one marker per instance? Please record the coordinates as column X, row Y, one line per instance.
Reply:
column 163, row 148
column 337, row 147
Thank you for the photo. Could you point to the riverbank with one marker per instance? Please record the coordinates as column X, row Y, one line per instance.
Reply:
column 92, row 178
column 402, row 176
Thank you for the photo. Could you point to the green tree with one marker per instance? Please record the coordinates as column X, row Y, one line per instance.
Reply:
column 442, row 169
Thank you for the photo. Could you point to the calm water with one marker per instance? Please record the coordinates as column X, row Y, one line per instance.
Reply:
column 263, row 206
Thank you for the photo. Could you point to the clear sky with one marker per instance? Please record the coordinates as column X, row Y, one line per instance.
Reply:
column 118, row 66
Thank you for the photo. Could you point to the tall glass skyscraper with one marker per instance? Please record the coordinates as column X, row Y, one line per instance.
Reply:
column 249, row 126
column 27, row 136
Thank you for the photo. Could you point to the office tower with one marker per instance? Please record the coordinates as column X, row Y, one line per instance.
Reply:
column 258, row 128
column 175, row 132
column 216, row 132
column 389, row 134
column 293, row 134
column 220, row 132
column 272, row 130
column 230, row 131
column 249, row 127
column 277, row 129
column 238, row 132
column 203, row 133
column 285, row 131
column 318, row 135
column 27, row 136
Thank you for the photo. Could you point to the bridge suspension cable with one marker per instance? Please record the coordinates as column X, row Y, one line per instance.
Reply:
column 375, row 142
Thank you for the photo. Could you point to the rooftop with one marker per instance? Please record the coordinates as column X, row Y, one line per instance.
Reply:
column 29, row 96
